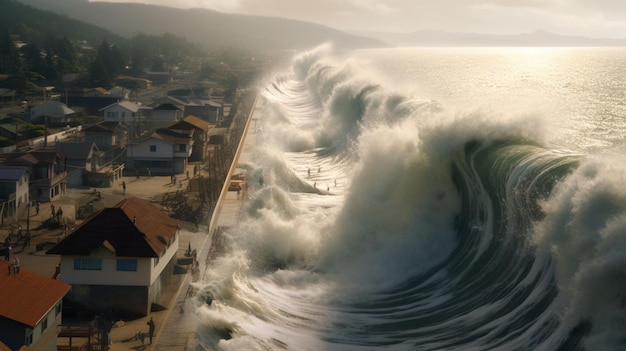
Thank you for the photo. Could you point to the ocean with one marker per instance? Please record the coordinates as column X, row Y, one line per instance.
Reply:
column 430, row 199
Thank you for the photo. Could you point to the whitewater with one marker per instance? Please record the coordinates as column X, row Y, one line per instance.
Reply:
column 430, row 199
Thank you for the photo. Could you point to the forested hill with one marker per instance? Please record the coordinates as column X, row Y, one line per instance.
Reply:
column 37, row 26
column 211, row 29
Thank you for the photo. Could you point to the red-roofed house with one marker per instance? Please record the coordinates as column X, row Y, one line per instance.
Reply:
column 164, row 151
column 121, row 258
column 30, row 309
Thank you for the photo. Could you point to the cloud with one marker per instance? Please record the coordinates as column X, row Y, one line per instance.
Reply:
column 520, row 3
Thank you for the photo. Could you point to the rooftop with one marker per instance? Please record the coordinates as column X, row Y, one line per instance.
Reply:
column 132, row 228
column 28, row 296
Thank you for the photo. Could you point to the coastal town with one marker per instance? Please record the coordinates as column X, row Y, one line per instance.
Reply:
column 108, row 218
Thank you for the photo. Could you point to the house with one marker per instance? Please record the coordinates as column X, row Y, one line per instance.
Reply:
column 110, row 139
column 106, row 135
column 205, row 108
column 164, row 151
column 97, row 92
column 131, row 113
column 200, row 135
column 52, row 112
column 14, row 191
column 163, row 115
column 81, row 157
column 30, row 309
column 47, row 172
column 120, row 93
column 133, row 83
column 8, row 96
column 159, row 78
column 104, row 176
column 120, row 259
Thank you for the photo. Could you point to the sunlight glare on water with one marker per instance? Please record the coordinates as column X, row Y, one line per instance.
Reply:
column 580, row 92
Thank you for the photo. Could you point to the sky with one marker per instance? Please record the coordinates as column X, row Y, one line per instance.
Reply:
column 590, row 18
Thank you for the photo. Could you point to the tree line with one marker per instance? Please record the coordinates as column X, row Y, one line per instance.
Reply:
column 31, row 64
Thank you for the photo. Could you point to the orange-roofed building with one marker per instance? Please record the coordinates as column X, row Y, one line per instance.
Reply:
column 120, row 259
column 200, row 135
column 30, row 309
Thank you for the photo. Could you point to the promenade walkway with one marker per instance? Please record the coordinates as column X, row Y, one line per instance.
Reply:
column 178, row 329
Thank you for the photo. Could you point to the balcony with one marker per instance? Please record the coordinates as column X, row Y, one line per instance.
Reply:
column 49, row 182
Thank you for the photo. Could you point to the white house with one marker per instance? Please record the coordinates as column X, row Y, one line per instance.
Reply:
column 30, row 309
column 14, row 191
column 121, row 259
column 164, row 151
column 133, row 114
column 56, row 112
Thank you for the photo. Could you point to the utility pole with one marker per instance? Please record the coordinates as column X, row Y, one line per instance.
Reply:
column 45, row 120
column 17, row 138
column 28, row 219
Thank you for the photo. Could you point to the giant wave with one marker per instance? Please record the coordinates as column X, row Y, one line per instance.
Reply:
column 383, row 220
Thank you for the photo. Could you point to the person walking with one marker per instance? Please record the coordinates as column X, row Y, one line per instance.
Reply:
column 150, row 329
column 16, row 266
column 59, row 214
column 7, row 248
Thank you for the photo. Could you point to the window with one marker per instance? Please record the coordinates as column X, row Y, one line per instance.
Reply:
column 123, row 114
column 127, row 265
column 44, row 324
column 57, row 309
column 152, row 148
column 182, row 147
column 87, row 264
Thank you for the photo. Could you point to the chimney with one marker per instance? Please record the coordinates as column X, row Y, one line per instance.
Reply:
column 134, row 219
